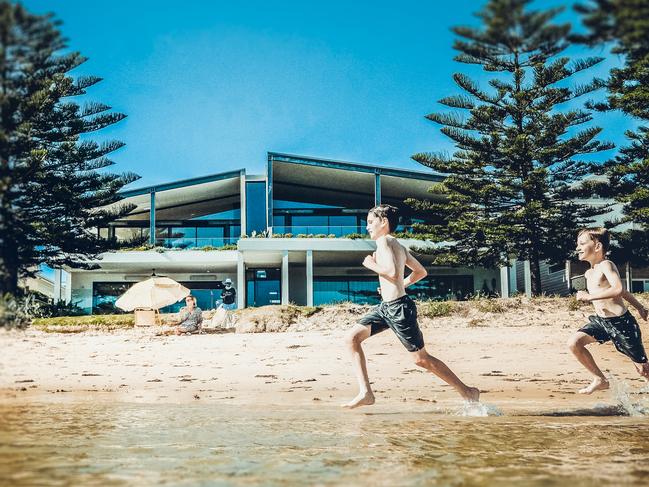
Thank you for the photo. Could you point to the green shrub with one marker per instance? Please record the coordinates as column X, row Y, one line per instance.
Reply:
column 75, row 324
column 492, row 305
column 435, row 309
column 574, row 304
column 16, row 312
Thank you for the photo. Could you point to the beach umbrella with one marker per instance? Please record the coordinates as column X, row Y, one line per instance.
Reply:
column 154, row 293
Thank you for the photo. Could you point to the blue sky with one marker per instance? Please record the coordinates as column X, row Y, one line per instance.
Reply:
column 209, row 86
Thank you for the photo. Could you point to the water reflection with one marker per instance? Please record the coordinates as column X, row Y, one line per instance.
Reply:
column 126, row 444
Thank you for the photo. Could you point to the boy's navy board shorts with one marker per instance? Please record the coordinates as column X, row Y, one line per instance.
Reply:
column 399, row 314
column 622, row 330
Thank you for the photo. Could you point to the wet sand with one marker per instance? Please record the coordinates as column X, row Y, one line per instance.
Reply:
column 521, row 370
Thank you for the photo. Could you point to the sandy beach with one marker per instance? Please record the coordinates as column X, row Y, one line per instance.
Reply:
column 518, row 358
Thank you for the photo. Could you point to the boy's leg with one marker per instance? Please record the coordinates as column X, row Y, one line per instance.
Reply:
column 577, row 345
column 440, row 369
column 354, row 338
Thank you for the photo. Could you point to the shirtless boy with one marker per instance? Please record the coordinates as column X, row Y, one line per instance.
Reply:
column 396, row 311
column 612, row 320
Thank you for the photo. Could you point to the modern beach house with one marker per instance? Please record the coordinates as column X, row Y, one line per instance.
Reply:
column 295, row 234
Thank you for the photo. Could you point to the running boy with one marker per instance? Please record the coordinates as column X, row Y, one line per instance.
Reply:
column 396, row 311
column 612, row 320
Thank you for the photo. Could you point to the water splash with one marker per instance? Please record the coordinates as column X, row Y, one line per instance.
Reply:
column 478, row 410
column 620, row 392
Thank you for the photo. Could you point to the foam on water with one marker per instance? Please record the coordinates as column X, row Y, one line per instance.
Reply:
column 478, row 410
column 620, row 393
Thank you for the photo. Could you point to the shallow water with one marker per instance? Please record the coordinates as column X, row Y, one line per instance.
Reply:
column 144, row 444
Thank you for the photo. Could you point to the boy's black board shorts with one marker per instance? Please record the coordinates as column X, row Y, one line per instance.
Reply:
column 401, row 316
column 622, row 330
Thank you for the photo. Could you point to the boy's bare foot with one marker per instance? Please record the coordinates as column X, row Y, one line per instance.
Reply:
column 598, row 384
column 363, row 399
column 643, row 369
column 473, row 395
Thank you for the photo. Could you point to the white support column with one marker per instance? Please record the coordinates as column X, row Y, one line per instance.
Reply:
column 285, row 277
column 513, row 280
column 628, row 277
column 241, row 282
column 527, row 277
column 244, row 203
column 68, row 287
column 152, row 219
column 58, row 275
column 504, row 282
column 568, row 276
column 309, row 277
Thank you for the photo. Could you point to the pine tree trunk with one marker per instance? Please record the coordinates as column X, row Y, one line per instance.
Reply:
column 8, row 268
column 535, row 276
column 8, row 279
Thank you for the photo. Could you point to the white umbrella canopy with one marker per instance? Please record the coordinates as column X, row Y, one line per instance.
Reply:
column 154, row 293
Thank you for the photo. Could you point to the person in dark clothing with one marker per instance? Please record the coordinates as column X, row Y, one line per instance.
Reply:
column 229, row 295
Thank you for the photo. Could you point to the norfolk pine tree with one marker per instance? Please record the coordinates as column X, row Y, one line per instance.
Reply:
column 625, row 24
column 50, row 179
column 512, row 179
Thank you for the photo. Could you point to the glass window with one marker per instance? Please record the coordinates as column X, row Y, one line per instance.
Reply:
column 256, row 206
column 161, row 232
column 104, row 295
column 183, row 232
column 128, row 234
column 183, row 237
column 213, row 236
column 442, row 288
column 279, row 204
column 360, row 290
column 234, row 214
column 211, row 232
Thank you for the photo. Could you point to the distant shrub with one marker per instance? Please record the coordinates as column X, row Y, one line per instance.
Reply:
column 435, row 309
column 76, row 324
column 574, row 304
column 486, row 305
column 15, row 312
column 208, row 248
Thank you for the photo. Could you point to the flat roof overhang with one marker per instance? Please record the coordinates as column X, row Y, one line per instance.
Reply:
column 204, row 194
column 325, row 180
column 172, row 261
column 326, row 251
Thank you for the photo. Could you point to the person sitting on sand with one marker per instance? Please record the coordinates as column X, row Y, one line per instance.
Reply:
column 191, row 317
column 612, row 320
column 396, row 311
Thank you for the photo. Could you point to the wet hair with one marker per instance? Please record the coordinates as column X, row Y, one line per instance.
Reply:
column 598, row 234
column 387, row 211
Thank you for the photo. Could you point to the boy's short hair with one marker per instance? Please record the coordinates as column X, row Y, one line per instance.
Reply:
column 387, row 211
column 193, row 298
column 597, row 234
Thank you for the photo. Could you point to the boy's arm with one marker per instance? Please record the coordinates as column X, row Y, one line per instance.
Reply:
column 382, row 261
column 630, row 298
column 418, row 270
column 613, row 278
